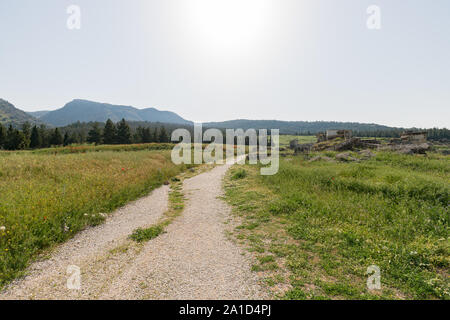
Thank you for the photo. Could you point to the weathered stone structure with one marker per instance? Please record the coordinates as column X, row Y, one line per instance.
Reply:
column 304, row 148
column 333, row 134
column 293, row 144
column 415, row 137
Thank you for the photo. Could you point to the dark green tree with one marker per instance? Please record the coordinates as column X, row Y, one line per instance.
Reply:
column 74, row 138
column 81, row 137
column 45, row 136
column 146, row 135
column 123, row 132
column 66, row 140
column 95, row 135
column 35, row 138
column 137, row 136
column 2, row 136
column 26, row 131
column 109, row 133
column 155, row 136
column 56, row 138
column 15, row 140
column 163, row 137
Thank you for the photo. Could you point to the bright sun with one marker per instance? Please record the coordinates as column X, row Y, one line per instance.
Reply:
column 228, row 25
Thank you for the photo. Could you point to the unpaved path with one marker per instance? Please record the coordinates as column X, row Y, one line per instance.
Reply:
column 192, row 260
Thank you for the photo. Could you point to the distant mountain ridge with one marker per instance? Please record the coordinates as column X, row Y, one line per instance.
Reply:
column 296, row 127
column 9, row 114
column 37, row 114
column 90, row 111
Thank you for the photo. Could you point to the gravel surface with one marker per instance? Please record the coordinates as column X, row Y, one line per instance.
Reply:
column 192, row 260
column 47, row 279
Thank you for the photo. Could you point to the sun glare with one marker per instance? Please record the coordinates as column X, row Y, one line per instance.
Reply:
column 228, row 24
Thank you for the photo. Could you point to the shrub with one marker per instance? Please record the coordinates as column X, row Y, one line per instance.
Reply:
column 239, row 174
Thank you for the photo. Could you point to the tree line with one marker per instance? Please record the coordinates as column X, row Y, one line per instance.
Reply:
column 434, row 134
column 123, row 132
column 34, row 137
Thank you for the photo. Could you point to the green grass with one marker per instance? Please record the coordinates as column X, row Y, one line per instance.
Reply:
column 325, row 223
column 141, row 235
column 45, row 198
column 286, row 139
column 83, row 148
column 239, row 174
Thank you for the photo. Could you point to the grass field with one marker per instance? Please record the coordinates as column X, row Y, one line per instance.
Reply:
column 316, row 227
column 48, row 195
column 84, row 148
column 285, row 139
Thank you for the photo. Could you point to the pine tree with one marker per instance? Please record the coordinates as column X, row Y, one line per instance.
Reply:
column 56, row 138
column 45, row 136
column 35, row 138
column 26, row 131
column 123, row 132
column 15, row 140
column 146, row 135
column 74, row 138
column 66, row 140
column 2, row 136
column 163, row 137
column 9, row 139
column 94, row 135
column 109, row 133
column 155, row 136
column 81, row 137
column 138, row 135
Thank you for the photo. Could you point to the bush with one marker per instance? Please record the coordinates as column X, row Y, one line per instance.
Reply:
column 239, row 174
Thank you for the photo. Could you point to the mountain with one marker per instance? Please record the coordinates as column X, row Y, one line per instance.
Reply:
column 87, row 111
column 37, row 114
column 296, row 127
column 11, row 115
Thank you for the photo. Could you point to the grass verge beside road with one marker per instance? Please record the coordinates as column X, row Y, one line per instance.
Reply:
column 46, row 198
column 316, row 227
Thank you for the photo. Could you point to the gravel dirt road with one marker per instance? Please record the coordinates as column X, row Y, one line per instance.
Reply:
column 194, row 259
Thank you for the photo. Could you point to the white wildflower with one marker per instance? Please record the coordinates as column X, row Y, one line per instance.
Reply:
column 2, row 228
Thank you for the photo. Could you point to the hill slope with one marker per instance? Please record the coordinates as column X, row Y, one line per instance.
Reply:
column 87, row 111
column 37, row 114
column 11, row 115
column 296, row 127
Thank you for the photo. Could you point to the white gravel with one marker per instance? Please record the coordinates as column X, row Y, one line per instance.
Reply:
column 192, row 260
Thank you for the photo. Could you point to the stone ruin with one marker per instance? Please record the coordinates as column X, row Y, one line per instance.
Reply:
column 336, row 140
column 334, row 134
column 415, row 137
column 300, row 148
column 411, row 142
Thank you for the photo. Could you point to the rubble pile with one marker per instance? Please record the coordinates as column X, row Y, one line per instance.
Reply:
column 338, row 144
column 366, row 154
column 411, row 142
column 319, row 158
column 421, row 148
column 345, row 157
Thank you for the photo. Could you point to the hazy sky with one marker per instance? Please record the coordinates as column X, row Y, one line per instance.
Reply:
column 214, row 60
